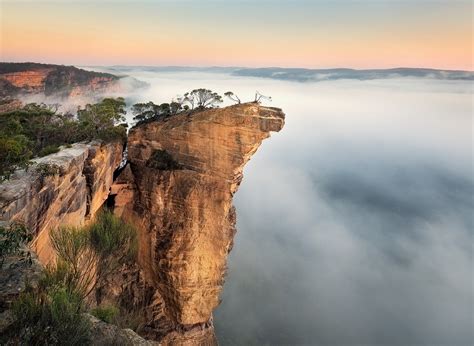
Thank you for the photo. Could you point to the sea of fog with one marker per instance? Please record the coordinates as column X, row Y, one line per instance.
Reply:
column 355, row 221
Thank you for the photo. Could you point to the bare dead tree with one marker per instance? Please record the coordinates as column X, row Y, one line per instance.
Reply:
column 259, row 97
column 232, row 96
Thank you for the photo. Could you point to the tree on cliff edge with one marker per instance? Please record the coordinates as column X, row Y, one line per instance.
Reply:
column 232, row 96
column 202, row 98
column 149, row 110
column 99, row 120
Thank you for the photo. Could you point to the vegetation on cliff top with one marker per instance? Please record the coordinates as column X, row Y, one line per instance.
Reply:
column 38, row 129
column 195, row 100
column 11, row 67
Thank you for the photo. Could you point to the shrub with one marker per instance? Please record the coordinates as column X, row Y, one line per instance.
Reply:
column 161, row 159
column 15, row 154
column 111, row 237
column 48, row 169
column 105, row 313
column 12, row 238
column 47, row 150
column 76, row 259
column 118, row 132
column 39, row 130
column 50, row 316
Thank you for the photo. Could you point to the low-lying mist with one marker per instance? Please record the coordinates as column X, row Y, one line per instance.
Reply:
column 355, row 221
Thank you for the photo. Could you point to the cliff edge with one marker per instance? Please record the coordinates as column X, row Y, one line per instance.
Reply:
column 177, row 190
column 70, row 196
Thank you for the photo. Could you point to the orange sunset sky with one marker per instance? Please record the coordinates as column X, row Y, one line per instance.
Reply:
column 319, row 34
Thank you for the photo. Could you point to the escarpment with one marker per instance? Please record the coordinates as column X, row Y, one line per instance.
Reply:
column 71, row 193
column 177, row 190
column 17, row 79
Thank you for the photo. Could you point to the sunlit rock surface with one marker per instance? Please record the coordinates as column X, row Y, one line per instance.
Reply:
column 184, row 210
column 68, row 198
column 53, row 80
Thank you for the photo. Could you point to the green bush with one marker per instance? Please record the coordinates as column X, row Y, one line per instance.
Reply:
column 12, row 238
column 52, row 315
column 47, row 150
column 39, row 130
column 88, row 255
column 113, row 133
column 48, row 169
column 111, row 237
column 106, row 313
column 15, row 153
column 76, row 259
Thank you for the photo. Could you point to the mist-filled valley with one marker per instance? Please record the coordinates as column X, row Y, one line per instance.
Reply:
column 355, row 222
column 237, row 172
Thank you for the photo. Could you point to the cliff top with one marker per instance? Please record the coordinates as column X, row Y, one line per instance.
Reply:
column 15, row 67
column 216, row 141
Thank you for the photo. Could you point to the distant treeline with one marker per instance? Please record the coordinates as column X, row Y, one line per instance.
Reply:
column 11, row 67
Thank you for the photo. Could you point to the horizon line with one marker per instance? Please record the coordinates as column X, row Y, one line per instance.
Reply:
column 245, row 67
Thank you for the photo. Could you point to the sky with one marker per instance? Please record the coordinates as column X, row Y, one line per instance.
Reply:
column 314, row 34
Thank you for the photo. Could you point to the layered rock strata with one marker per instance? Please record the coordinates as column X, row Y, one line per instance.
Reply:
column 177, row 190
column 54, row 80
column 44, row 202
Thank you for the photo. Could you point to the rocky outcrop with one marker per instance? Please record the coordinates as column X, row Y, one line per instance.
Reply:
column 108, row 334
column 71, row 197
column 31, row 81
column 177, row 190
column 54, row 80
column 16, row 273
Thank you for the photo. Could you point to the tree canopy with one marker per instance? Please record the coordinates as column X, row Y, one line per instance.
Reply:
column 38, row 129
column 202, row 98
column 149, row 110
column 232, row 96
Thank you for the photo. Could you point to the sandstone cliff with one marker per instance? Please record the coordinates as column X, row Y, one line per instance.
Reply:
column 177, row 189
column 53, row 80
column 68, row 198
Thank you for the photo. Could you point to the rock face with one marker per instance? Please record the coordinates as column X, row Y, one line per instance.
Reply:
column 177, row 189
column 109, row 334
column 53, row 80
column 29, row 80
column 68, row 198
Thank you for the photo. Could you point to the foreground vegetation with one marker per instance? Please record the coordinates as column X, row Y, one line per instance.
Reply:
column 52, row 313
column 38, row 130
column 13, row 240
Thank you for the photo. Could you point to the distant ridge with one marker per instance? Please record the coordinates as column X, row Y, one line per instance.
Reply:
column 309, row 75
column 12, row 67
column 313, row 75
column 48, row 79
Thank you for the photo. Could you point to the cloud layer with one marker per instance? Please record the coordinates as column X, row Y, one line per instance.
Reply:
column 355, row 222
